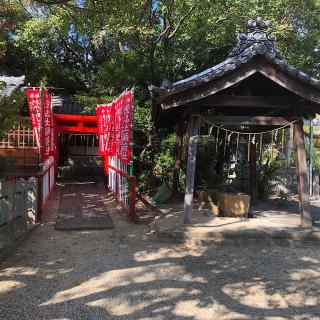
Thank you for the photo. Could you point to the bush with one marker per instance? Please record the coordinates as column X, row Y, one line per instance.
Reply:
column 210, row 165
column 164, row 160
column 267, row 180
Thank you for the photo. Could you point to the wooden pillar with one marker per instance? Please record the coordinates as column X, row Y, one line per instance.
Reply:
column 311, row 146
column 302, row 175
column 253, row 173
column 177, row 163
column 194, row 125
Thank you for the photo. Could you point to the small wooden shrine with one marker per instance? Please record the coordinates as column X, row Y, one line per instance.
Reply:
column 254, row 87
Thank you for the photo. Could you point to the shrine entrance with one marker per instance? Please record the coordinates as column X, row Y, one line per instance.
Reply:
column 86, row 169
column 78, row 143
column 82, row 204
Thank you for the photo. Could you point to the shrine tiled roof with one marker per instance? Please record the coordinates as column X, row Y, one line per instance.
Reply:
column 68, row 105
column 255, row 42
column 9, row 84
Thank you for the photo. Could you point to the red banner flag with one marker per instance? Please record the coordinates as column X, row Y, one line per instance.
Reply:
column 48, row 143
column 45, row 141
column 34, row 103
column 114, row 127
column 106, row 133
column 125, row 102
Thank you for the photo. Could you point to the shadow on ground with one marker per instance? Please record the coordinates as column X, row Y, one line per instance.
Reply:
column 122, row 274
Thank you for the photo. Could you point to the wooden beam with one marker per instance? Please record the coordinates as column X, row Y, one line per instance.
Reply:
column 191, row 167
column 245, row 101
column 269, row 113
column 247, row 120
column 288, row 82
column 77, row 129
column 302, row 175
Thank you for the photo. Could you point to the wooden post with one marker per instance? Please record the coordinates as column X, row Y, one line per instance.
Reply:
column 311, row 159
column 13, row 211
column 194, row 125
column 253, row 173
column 177, row 164
column 302, row 175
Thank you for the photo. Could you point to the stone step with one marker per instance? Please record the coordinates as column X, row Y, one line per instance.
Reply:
column 87, row 171
column 267, row 237
column 81, row 166
column 81, row 161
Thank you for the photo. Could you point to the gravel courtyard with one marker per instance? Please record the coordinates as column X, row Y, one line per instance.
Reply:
column 124, row 274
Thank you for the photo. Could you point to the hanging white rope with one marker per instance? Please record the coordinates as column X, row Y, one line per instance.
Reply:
column 260, row 146
column 249, row 139
column 225, row 144
column 237, row 147
column 253, row 140
column 250, row 133
column 217, row 140
column 251, row 136
column 271, row 146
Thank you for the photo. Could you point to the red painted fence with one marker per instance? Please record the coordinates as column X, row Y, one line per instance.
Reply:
column 46, row 184
column 123, row 186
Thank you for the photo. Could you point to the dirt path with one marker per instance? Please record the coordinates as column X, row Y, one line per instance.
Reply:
column 122, row 274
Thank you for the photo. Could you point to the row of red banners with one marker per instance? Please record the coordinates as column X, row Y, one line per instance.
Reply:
column 42, row 121
column 114, row 127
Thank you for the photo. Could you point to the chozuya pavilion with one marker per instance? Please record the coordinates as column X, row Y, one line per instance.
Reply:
column 254, row 87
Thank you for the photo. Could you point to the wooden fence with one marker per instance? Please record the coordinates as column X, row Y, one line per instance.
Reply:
column 19, row 146
column 20, row 137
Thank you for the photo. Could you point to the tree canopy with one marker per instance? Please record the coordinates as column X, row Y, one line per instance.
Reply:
column 96, row 49
column 104, row 46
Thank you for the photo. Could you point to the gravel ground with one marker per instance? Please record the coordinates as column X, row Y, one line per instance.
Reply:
column 123, row 274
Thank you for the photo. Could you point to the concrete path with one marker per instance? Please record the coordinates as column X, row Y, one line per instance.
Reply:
column 122, row 274
column 83, row 206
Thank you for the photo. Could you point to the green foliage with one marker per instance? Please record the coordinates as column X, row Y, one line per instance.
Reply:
column 316, row 154
column 11, row 15
column 267, row 179
column 164, row 159
column 99, row 48
column 206, row 173
column 110, row 45
column 9, row 110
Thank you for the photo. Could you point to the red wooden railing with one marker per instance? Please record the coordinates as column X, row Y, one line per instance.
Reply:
column 118, row 184
column 46, row 184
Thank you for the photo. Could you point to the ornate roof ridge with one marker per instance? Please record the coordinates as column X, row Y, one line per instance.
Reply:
column 256, row 41
column 256, row 37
